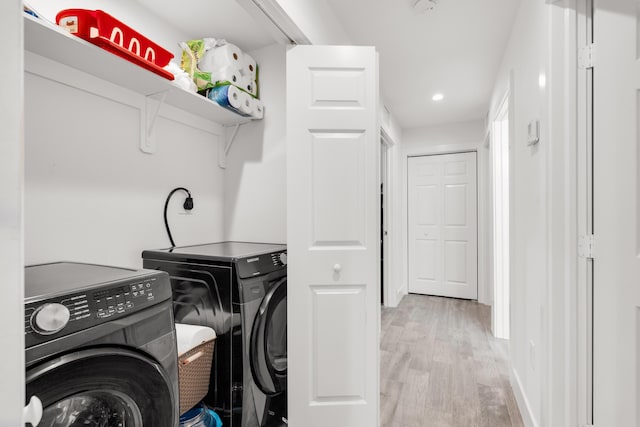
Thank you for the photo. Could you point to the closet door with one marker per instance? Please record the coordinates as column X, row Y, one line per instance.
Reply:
column 333, row 209
column 443, row 225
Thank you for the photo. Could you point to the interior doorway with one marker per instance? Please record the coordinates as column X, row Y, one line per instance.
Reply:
column 384, row 218
column 500, row 187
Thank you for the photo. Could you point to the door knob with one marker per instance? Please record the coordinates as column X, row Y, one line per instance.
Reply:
column 337, row 268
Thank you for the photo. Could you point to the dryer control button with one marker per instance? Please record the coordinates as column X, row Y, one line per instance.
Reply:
column 283, row 258
column 50, row 318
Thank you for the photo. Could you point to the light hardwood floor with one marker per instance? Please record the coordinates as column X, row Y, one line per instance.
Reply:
column 441, row 367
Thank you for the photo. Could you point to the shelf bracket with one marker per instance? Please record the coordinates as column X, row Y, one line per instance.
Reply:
column 149, row 115
column 223, row 149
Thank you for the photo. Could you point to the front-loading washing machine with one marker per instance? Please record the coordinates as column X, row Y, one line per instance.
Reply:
column 100, row 346
column 240, row 290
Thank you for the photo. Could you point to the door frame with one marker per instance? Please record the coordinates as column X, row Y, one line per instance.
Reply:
column 390, row 292
column 481, row 158
column 501, row 303
column 565, row 134
column 584, row 181
column 12, row 393
column 616, row 266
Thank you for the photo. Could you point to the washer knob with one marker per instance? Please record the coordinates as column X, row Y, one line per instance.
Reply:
column 50, row 318
column 283, row 258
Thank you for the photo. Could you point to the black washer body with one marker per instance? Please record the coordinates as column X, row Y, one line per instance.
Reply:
column 115, row 360
column 239, row 290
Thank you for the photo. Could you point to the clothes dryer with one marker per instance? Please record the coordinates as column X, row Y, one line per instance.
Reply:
column 240, row 290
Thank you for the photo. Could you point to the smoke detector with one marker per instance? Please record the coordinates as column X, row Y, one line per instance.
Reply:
column 423, row 6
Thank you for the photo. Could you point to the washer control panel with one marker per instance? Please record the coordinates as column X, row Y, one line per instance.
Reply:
column 63, row 315
column 119, row 300
column 261, row 264
column 54, row 315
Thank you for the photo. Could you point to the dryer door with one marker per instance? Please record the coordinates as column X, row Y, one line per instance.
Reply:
column 269, row 341
column 102, row 387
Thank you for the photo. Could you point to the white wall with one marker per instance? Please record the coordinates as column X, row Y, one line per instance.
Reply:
column 91, row 194
column 89, row 189
column 11, row 232
column 447, row 138
column 525, row 56
column 525, row 60
column 444, row 137
column 255, row 181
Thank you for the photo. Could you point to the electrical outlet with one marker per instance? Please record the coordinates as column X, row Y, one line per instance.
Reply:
column 532, row 354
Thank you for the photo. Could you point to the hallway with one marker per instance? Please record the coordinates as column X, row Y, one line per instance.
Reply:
column 441, row 367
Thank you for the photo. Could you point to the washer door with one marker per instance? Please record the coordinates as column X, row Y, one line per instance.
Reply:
column 269, row 341
column 102, row 388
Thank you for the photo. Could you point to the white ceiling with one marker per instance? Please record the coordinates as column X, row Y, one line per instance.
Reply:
column 455, row 49
column 212, row 18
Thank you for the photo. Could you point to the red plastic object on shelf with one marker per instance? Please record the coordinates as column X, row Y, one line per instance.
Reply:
column 105, row 31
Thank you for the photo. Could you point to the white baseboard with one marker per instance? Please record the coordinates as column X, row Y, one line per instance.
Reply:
column 400, row 293
column 484, row 299
column 521, row 398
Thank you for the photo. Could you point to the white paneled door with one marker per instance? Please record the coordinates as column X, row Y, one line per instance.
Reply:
column 443, row 225
column 333, row 235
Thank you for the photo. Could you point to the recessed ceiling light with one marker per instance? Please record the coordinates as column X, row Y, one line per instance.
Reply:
column 438, row 97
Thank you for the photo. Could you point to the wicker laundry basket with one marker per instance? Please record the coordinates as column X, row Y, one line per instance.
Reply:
column 194, row 370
